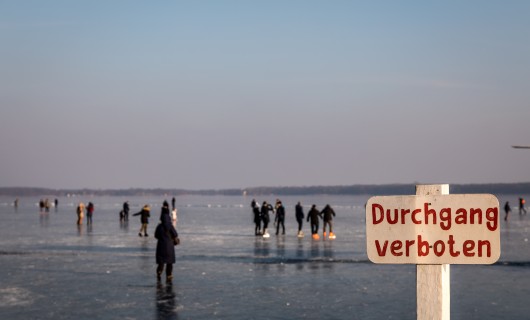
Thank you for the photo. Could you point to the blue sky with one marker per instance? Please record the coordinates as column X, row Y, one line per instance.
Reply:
column 229, row 94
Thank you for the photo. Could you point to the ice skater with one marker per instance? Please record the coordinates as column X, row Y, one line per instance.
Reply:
column 144, row 219
column 167, row 237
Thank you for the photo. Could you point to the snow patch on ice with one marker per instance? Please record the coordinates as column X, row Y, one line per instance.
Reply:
column 12, row 297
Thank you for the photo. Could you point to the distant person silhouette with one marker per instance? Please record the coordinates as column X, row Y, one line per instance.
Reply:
column 265, row 208
column 89, row 212
column 257, row 217
column 314, row 215
column 507, row 210
column 80, row 213
column 299, row 210
column 280, row 217
column 328, row 213
column 174, row 217
column 521, row 206
column 126, row 211
column 144, row 219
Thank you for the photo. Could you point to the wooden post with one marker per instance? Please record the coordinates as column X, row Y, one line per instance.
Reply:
column 433, row 291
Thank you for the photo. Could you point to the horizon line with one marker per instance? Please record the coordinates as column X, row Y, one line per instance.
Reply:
column 257, row 187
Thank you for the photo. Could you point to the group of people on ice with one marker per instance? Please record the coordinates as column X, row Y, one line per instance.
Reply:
column 145, row 214
column 80, row 210
column 165, row 232
column 262, row 218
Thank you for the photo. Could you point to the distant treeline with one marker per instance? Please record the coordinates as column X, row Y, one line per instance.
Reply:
column 391, row 189
column 384, row 189
column 28, row 191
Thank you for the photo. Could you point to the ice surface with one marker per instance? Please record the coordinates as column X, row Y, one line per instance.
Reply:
column 52, row 269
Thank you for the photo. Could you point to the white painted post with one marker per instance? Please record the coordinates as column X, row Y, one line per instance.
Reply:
column 433, row 291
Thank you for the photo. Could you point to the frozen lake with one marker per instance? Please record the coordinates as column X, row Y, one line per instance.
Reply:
column 52, row 269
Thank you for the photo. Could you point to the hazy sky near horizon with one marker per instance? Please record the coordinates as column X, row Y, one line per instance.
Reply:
column 230, row 94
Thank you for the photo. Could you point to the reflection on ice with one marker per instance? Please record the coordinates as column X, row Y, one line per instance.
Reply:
column 166, row 304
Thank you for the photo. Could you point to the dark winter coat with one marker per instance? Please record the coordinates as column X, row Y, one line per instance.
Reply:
column 328, row 213
column 280, row 214
column 313, row 214
column 165, row 233
column 90, row 209
column 299, row 213
column 265, row 213
column 257, row 215
column 144, row 215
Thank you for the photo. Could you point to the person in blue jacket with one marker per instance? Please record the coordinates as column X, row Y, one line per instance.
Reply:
column 167, row 237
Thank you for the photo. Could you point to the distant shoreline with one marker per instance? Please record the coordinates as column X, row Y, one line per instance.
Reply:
column 383, row 189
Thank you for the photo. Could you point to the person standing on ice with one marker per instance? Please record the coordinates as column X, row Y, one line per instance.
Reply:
column 80, row 213
column 126, row 211
column 521, row 206
column 265, row 208
column 174, row 217
column 280, row 217
column 257, row 217
column 328, row 213
column 507, row 210
column 314, row 214
column 299, row 218
column 167, row 237
column 89, row 212
column 144, row 219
